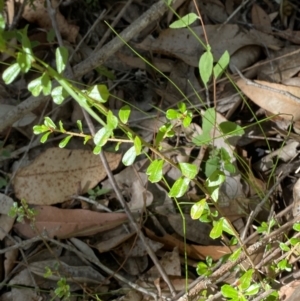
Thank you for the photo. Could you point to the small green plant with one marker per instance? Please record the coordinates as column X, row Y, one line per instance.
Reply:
column 243, row 289
column 63, row 289
column 205, row 268
column 22, row 211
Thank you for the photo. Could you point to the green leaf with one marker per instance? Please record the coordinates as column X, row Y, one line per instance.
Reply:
column 51, row 35
column 197, row 209
column 226, row 227
column 61, row 57
column 225, row 155
column 49, row 123
column 65, row 141
column 112, row 121
column 202, row 269
column 26, row 45
column 39, row 129
column 252, row 289
column 263, row 228
column 222, row 64
column 154, row 171
column 124, row 113
column 24, row 62
column 181, row 107
column 284, row 247
column 99, row 93
column 296, row 227
column 208, row 121
column 229, row 167
column 188, row 170
column 129, row 156
column 11, row 73
column 235, row 255
column 179, row 187
column 216, row 178
column 294, row 241
column 214, row 192
column 61, row 126
column 211, row 165
column 2, row 20
column 246, row 280
column 97, row 149
column 102, row 136
column 187, row 120
column 165, row 130
column 86, row 139
column 45, row 137
column 217, row 229
column 46, row 84
column 59, row 94
column 35, row 86
column 185, row 21
column 79, row 125
column 231, row 128
column 172, row 114
column 138, row 145
column 229, row 292
column 206, row 66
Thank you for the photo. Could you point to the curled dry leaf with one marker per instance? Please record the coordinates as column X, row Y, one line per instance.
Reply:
column 39, row 14
column 57, row 174
column 65, row 223
column 275, row 98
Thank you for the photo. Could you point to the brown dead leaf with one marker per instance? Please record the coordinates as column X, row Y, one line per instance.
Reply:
column 39, row 14
column 290, row 292
column 275, row 98
column 260, row 19
column 57, row 174
column 65, row 223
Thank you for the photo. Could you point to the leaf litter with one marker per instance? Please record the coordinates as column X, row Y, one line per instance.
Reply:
column 55, row 178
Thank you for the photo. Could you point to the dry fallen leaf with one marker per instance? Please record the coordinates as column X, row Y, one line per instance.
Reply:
column 57, row 174
column 260, row 19
column 65, row 223
column 275, row 98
